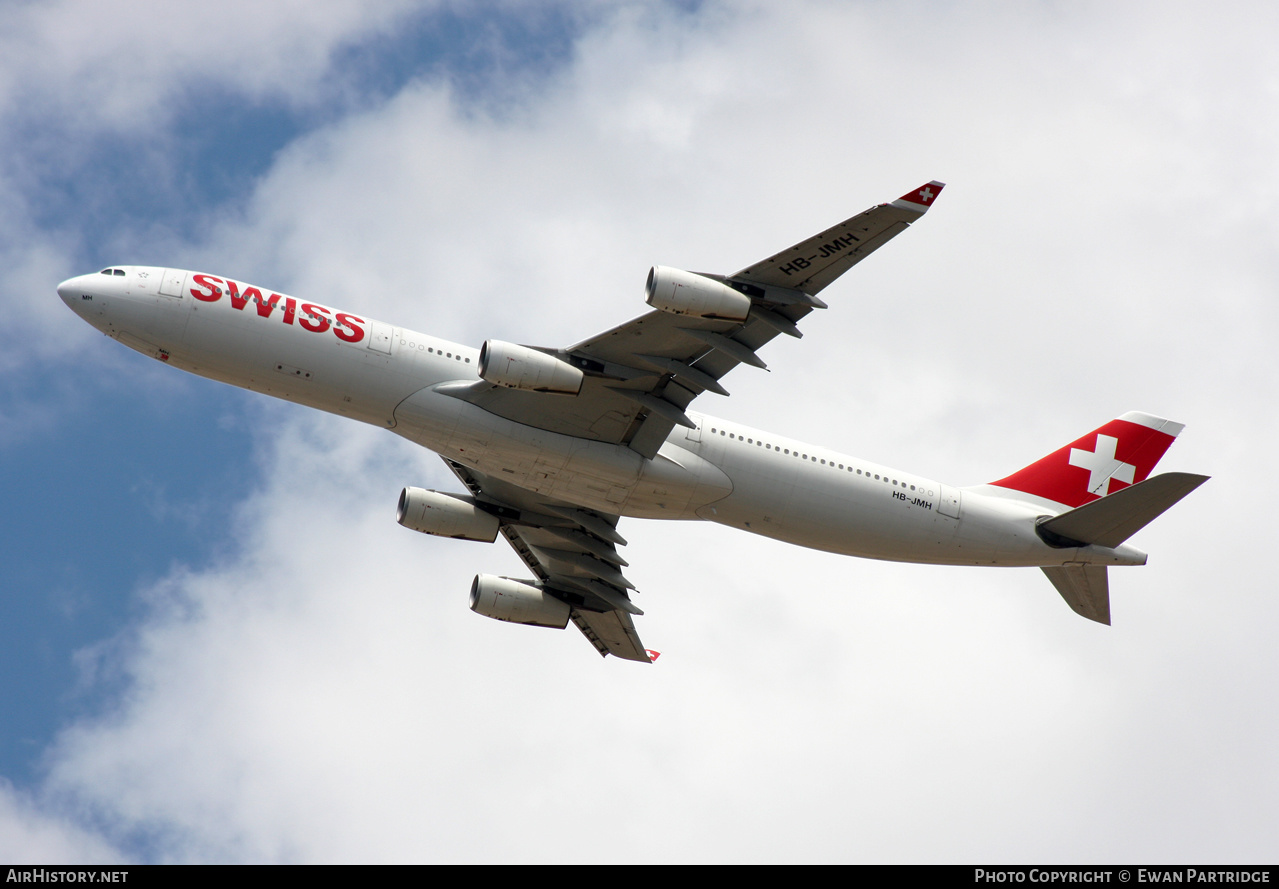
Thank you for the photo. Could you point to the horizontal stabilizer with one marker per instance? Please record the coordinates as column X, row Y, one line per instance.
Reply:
column 1114, row 518
column 1085, row 589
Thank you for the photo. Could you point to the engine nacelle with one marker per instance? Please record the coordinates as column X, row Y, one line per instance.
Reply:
column 445, row 515
column 502, row 598
column 519, row 367
column 684, row 293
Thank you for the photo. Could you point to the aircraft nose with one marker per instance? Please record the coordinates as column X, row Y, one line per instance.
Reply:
column 65, row 289
column 69, row 291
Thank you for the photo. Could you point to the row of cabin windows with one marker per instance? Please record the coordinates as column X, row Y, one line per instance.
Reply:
column 831, row 464
column 434, row 351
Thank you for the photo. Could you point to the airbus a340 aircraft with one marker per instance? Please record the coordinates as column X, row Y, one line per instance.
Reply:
column 553, row 446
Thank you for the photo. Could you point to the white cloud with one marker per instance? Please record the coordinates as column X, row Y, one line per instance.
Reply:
column 321, row 695
column 121, row 67
column 35, row 833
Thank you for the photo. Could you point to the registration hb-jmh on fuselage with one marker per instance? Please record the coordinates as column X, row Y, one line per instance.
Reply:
column 554, row 445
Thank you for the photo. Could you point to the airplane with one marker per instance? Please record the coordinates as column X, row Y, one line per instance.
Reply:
column 554, row 445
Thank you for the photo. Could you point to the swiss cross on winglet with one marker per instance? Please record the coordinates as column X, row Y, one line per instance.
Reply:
column 921, row 198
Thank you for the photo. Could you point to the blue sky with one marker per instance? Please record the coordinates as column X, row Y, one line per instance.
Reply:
column 100, row 207
column 176, row 490
column 217, row 644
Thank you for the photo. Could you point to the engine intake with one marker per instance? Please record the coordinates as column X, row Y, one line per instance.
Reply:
column 685, row 293
column 517, row 602
column 519, row 367
column 445, row 515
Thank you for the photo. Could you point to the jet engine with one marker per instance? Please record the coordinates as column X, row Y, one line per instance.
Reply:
column 445, row 515
column 684, row 293
column 502, row 598
column 519, row 367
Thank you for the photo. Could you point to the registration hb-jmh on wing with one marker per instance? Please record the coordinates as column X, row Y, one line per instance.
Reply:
column 553, row 445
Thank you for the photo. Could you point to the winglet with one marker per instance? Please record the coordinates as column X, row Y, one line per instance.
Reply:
column 921, row 198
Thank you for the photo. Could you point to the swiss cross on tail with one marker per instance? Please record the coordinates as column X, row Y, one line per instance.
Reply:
column 921, row 198
column 1106, row 460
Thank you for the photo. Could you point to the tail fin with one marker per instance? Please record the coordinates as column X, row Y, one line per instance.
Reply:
column 1109, row 459
column 1103, row 478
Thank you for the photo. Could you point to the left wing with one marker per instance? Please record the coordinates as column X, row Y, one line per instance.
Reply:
column 638, row 378
column 573, row 552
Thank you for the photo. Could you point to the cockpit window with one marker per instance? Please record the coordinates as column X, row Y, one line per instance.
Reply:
column 105, row 272
column 119, row 272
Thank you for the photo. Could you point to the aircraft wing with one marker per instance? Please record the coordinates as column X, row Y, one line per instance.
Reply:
column 573, row 553
column 641, row 375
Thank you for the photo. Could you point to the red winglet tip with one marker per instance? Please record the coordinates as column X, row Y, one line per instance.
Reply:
column 925, row 194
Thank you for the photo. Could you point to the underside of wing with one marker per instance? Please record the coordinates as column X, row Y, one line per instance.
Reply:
column 611, row 632
column 638, row 378
column 573, row 554
column 812, row 264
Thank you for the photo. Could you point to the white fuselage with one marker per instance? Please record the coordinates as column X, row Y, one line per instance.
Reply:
column 720, row 471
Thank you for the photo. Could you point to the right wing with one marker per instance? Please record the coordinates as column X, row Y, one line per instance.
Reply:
column 811, row 265
column 637, row 380
column 641, row 375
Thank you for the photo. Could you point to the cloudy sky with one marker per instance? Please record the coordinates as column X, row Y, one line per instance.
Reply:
column 219, row 646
